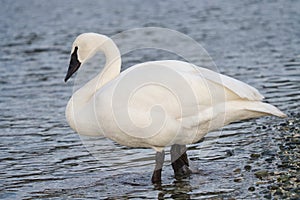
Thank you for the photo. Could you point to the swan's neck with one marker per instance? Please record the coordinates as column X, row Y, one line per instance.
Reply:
column 110, row 71
column 112, row 65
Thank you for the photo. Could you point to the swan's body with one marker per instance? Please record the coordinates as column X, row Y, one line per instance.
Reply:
column 193, row 101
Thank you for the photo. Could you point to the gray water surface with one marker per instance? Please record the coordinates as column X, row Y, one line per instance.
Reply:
column 257, row 42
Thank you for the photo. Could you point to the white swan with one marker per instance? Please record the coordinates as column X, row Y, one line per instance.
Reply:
column 156, row 104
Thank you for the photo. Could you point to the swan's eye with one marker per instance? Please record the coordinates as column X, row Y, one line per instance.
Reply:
column 75, row 51
column 74, row 57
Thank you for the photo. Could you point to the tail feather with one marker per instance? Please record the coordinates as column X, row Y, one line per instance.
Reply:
column 224, row 113
column 265, row 108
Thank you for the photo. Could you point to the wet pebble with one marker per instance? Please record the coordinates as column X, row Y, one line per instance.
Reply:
column 251, row 189
column 273, row 187
column 229, row 152
column 247, row 167
column 238, row 179
column 237, row 170
column 261, row 174
column 254, row 156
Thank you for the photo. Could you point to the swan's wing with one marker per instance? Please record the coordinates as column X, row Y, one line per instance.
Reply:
column 169, row 83
column 240, row 88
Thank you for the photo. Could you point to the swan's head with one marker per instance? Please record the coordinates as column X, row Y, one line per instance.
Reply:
column 83, row 48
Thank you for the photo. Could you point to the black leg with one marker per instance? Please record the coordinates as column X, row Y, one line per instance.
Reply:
column 159, row 161
column 180, row 161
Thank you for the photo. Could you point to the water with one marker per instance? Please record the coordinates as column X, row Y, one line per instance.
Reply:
column 41, row 157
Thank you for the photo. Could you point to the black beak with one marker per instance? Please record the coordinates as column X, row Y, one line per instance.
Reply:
column 74, row 64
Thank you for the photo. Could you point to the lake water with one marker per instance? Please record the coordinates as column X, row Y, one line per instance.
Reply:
column 257, row 42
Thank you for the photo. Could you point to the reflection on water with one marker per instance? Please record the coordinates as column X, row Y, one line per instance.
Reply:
column 41, row 157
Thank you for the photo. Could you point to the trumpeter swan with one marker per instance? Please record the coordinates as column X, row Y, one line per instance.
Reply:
column 156, row 104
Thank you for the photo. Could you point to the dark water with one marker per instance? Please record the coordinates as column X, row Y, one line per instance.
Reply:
column 41, row 157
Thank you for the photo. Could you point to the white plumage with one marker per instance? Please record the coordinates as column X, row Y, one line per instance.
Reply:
column 156, row 104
